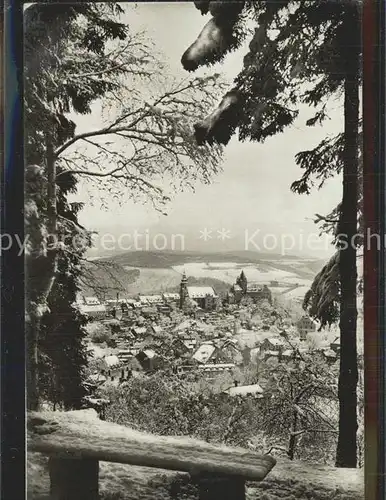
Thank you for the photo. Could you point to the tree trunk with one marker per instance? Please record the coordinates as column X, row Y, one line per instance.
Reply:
column 40, row 277
column 346, row 455
column 292, row 440
column 32, row 327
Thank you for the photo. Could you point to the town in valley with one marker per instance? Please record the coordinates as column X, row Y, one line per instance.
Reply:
column 195, row 331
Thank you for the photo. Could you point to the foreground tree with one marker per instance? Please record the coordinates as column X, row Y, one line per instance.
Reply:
column 166, row 405
column 323, row 298
column 46, row 125
column 300, row 404
column 63, row 353
column 77, row 56
column 301, row 52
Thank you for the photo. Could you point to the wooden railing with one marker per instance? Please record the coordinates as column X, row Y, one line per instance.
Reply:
column 76, row 441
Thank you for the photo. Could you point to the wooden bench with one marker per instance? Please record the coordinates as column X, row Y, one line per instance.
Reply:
column 76, row 441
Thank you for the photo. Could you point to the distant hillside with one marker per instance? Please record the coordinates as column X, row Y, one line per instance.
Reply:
column 158, row 280
column 165, row 259
column 305, row 267
column 154, row 272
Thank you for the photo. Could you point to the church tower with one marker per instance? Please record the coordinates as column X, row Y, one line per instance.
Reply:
column 183, row 290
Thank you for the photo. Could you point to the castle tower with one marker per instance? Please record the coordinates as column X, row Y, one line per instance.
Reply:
column 183, row 290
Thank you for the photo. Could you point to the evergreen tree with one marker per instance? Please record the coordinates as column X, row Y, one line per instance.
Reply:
column 47, row 29
column 322, row 299
column 242, row 282
column 301, row 52
column 63, row 351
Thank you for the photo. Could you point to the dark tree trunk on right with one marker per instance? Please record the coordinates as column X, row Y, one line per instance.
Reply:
column 346, row 455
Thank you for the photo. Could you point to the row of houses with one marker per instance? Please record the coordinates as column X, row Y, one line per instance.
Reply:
column 209, row 358
column 203, row 298
column 210, row 370
column 149, row 305
column 122, row 366
column 274, row 347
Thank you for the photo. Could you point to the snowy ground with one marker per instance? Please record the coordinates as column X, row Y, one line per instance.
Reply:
column 287, row 481
column 231, row 272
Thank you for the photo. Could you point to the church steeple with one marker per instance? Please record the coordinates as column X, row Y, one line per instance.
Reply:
column 183, row 289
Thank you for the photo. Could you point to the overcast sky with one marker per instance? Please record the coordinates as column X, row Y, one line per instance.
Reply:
column 253, row 191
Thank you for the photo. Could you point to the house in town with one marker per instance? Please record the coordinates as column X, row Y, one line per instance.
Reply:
column 124, row 355
column 149, row 360
column 184, row 347
column 231, row 352
column 122, row 372
column 205, row 353
column 129, row 351
column 128, row 365
column 235, row 294
column 305, row 325
column 90, row 301
column 171, row 297
column 92, row 307
column 111, row 361
column 252, row 289
column 151, row 300
column 212, row 369
column 272, row 344
column 132, row 303
column 122, row 308
column 133, row 365
column 208, row 352
column 150, row 333
column 245, row 390
column 207, row 370
column 155, row 329
column 190, row 343
column 204, row 296
column 94, row 312
column 139, row 331
column 258, row 292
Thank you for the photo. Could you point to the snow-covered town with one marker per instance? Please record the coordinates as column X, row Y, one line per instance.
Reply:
column 196, row 333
